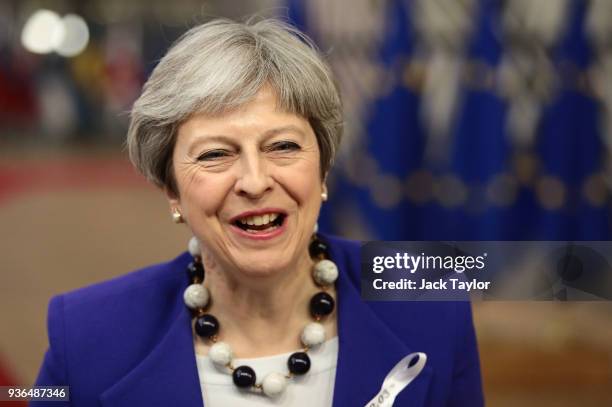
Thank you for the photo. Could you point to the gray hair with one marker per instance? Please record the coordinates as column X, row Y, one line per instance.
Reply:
column 221, row 65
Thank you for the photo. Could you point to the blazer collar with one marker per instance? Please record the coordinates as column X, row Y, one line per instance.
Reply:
column 167, row 376
column 368, row 350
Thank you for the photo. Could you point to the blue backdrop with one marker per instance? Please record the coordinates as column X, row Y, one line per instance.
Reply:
column 488, row 186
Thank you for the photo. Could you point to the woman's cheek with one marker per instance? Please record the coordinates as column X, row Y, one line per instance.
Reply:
column 209, row 193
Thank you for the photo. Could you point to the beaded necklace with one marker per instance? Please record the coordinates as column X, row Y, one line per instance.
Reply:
column 207, row 327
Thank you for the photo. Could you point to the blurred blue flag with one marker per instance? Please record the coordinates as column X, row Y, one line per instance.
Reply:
column 485, row 184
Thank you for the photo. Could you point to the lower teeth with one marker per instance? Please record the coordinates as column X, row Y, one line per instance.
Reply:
column 263, row 230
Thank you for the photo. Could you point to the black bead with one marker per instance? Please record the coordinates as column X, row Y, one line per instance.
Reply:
column 206, row 326
column 299, row 363
column 321, row 304
column 317, row 249
column 195, row 271
column 244, row 376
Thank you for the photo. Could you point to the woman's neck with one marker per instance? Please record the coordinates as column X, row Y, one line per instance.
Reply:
column 265, row 315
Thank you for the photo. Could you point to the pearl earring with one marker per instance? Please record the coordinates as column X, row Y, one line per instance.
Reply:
column 324, row 196
column 176, row 216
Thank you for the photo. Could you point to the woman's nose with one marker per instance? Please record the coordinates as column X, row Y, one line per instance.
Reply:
column 254, row 178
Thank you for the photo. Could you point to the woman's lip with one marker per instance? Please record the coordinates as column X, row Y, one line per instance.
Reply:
column 257, row 212
column 260, row 235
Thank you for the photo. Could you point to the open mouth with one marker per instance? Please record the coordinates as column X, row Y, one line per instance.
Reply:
column 260, row 223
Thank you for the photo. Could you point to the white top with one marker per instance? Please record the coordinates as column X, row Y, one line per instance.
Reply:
column 315, row 388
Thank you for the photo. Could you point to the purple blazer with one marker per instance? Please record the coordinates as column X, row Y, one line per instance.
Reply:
column 128, row 342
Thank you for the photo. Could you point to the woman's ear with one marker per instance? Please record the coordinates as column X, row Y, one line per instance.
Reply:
column 173, row 198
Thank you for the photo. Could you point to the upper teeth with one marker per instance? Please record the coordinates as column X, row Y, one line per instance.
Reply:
column 259, row 219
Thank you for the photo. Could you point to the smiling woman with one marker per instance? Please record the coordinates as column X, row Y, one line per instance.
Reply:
column 238, row 125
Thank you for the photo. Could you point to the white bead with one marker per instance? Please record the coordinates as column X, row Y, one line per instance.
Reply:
column 274, row 384
column 316, row 227
column 325, row 272
column 194, row 247
column 196, row 296
column 313, row 334
column 221, row 353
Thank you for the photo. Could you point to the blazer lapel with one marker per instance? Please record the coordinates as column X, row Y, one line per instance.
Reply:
column 368, row 350
column 168, row 376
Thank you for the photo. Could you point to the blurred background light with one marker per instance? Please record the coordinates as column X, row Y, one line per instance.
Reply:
column 43, row 32
column 76, row 36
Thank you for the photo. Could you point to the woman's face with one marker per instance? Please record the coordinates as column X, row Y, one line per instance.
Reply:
column 249, row 185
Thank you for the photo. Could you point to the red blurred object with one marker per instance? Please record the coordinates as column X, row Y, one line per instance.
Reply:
column 66, row 173
column 7, row 379
column 18, row 103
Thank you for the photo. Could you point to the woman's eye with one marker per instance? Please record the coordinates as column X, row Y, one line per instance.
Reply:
column 284, row 146
column 213, row 155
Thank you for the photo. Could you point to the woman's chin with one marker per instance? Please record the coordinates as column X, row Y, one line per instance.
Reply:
column 262, row 266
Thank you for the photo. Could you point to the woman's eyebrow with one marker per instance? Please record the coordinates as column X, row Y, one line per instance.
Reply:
column 284, row 129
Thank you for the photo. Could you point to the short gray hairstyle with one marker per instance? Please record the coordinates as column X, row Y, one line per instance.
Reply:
column 221, row 65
